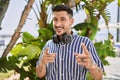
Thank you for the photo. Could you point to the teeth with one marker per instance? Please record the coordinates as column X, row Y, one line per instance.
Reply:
column 59, row 28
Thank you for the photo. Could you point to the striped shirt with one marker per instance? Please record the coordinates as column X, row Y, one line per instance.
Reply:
column 65, row 66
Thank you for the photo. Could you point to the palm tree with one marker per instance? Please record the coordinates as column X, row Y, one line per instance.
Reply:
column 3, row 8
column 20, row 25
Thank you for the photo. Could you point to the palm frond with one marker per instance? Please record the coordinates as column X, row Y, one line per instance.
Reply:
column 106, row 16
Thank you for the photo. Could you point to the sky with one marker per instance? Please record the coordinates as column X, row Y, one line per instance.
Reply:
column 16, row 7
column 12, row 17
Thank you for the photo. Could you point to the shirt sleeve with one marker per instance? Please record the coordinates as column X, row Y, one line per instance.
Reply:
column 94, row 55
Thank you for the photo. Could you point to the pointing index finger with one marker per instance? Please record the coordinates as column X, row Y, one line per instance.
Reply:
column 85, row 50
column 46, row 51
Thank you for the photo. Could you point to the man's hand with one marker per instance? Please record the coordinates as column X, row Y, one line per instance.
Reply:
column 48, row 57
column 84, row 59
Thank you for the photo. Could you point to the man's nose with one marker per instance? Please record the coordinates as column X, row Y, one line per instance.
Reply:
column 58, row 23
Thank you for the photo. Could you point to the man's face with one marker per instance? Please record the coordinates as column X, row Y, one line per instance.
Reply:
column 62, row 22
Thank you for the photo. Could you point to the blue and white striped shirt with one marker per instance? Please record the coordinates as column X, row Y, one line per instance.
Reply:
column 65, row 66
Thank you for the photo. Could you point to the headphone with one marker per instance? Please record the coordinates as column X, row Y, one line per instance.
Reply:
column 66, row 38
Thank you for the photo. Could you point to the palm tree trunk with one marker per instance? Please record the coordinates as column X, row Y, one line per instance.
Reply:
column 20, row 25
column 3, row 8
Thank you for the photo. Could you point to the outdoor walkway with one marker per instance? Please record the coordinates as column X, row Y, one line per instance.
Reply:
column 113, row 70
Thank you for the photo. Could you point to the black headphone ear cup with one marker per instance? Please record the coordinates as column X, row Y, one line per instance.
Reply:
column 55, row 39
column 66, row 38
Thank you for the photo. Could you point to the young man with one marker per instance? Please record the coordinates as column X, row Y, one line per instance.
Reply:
column 68, row 56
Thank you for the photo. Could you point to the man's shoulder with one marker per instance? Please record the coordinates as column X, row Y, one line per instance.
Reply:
column 49, row 41
column 81, row 37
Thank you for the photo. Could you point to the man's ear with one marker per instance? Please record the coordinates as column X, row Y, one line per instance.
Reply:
column 72, row 21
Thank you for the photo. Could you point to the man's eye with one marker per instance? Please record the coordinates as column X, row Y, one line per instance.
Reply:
column 54, row 19
column 62, row 19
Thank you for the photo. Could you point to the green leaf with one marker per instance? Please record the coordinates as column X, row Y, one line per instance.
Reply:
column 87, row 29
column 17, row 49
column 118, row 2
column 8, row 63
column 45, row 33
column 27, row 37
column 105, row 49
column 106, row 15
column 80, row 26
column 30, row 51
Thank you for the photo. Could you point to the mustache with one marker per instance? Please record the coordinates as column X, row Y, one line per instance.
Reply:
column 59, row 27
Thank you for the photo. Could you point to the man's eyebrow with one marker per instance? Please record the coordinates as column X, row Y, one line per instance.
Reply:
column 62, row 17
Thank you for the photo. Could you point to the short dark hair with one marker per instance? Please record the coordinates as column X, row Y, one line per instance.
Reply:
column 62, row 7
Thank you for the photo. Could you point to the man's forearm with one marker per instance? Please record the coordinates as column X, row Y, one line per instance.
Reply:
column 41, row 70
column 96, row 72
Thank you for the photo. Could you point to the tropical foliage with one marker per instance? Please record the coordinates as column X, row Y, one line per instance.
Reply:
column 25, row 54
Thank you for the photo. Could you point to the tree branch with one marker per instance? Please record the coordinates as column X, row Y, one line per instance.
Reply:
column 20, row 25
